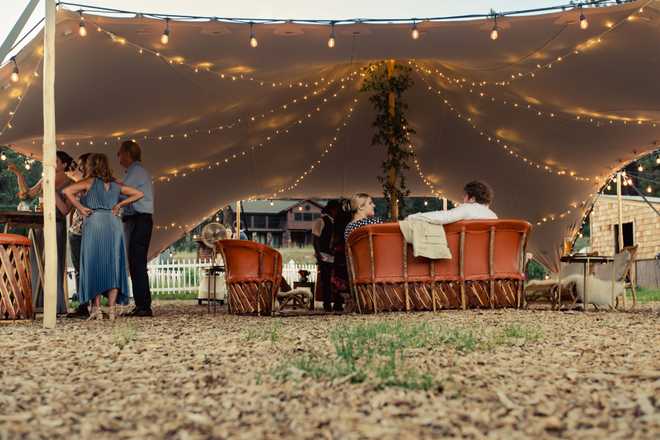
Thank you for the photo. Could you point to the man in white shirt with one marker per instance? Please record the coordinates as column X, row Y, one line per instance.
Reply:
column 476, row 206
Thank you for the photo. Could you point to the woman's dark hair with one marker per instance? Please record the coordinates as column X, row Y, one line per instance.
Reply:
column 480, row 191
column 97, row 166
column 69, row 163
column 82, row 161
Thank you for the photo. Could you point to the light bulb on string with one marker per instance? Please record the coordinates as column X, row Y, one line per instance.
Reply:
column 27, row 165
column 331, row 40
column 584, row 24
column 3, row 156
column 640, row 168
column 415, row 32
column 494, row 34
column 14, row 73
column 165, row 38
column 649, row 189
column 253, row 39
column 82, row 30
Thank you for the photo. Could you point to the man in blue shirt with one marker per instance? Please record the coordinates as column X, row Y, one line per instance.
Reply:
column 138, row 224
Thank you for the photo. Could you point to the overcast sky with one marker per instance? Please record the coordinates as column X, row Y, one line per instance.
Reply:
column 296, row 9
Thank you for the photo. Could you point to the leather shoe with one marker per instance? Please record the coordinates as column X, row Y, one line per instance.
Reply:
column 141, row 313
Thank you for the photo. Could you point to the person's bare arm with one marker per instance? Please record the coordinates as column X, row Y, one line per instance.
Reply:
column 132, row 196
column 71, row 191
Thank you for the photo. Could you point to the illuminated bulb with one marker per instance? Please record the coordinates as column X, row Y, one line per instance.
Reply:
column 27, row 166
column 14, row 73
column 82, row 30
column 426, row 203
column 272, row 203
column 494, row 34
column 3, row 156
column 414, row 33
column 609, row 187
column 657, row 160
column 583, row 21
column 331, row 40
column 165, row 38
column 648, row 189
column 640, row 168
column 253, row 39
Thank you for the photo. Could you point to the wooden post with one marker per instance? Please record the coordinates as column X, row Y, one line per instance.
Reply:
column 392, row 173
column 619, row 237
column 238, row 220
column 444, row 203
column 620, row 209
column 49, row 164
column 5, row 48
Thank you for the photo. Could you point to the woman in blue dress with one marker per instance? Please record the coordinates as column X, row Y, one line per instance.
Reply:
column 102, row 254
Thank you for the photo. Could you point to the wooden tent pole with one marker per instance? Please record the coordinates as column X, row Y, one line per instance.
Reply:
column 392, row 172
column 16, row 30
column 238, row 220
column 620, row 208
column 49, row 164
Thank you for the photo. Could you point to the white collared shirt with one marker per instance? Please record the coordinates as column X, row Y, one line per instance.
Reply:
column 466, row 211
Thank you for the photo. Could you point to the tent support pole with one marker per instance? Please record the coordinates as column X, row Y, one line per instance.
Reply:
column 49, row 164
column 620, row 232
column 238, row 220
column 16, row 30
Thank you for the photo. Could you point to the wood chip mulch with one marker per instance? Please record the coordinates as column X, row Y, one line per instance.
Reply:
column 187, row 374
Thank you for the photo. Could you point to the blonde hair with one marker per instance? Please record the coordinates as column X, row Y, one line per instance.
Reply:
column 97, row 166
column 358, row 201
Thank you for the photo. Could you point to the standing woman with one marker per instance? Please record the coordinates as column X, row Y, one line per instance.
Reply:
column 103, row 255
column 363, row 210
column 65, row 164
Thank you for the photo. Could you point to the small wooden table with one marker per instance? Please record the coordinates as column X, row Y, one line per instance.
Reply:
column 32, row 221
column 587, row 260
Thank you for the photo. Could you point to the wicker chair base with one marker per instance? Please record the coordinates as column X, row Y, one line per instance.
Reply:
column 427, row 296
column 251, row 298
column 15, row 282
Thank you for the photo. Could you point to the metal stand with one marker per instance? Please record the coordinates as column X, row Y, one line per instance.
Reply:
column 212, row 272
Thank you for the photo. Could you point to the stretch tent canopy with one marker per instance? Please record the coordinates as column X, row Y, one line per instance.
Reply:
column 545, row 113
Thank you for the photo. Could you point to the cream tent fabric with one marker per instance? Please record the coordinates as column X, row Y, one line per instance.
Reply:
column 218, row 122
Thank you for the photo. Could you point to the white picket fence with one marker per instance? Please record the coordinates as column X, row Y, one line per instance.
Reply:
column 184, row 276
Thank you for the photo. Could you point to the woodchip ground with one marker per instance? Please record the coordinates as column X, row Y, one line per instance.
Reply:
column 187, row 374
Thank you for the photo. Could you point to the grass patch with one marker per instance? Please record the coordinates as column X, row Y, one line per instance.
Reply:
column 646, row 295
column 379, row 352
column 176, row 296
column 123, row 335
column 270, row 333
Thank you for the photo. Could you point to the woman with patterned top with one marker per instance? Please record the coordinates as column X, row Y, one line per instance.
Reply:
column 363, row 210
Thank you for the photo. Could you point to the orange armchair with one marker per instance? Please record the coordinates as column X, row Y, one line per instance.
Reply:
column 253, row 273
column 486, row 269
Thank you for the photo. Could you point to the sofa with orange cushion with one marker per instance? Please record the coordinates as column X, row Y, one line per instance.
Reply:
column 253, row 273
column 485, row 271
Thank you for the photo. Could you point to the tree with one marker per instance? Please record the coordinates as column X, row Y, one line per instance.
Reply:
column 8, row 185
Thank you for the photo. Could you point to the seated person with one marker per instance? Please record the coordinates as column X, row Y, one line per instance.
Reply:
column 362, row 209
column 476, row 206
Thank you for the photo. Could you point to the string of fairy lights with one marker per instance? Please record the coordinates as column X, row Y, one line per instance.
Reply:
column 587, row 117
column 253, row 148
column 328, row 148
column 492, row 138
column 228, row 74
column 223, row 127
column 580, row 48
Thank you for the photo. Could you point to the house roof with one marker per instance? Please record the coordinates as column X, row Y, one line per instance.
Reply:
column 275, row 206
column 609, row 198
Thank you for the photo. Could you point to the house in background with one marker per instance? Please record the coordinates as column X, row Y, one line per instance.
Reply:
column 280, row 223
column 641, row 225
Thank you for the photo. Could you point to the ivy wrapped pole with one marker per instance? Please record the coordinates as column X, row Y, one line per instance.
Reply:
column 387, row 81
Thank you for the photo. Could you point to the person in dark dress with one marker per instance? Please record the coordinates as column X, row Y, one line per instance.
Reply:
column 340, row 279
column 322, row 239
column 138, row 225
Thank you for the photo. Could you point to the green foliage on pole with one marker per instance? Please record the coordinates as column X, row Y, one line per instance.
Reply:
column 392, row 131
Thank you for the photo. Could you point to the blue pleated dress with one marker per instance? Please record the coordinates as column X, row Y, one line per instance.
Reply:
column 102, row 251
